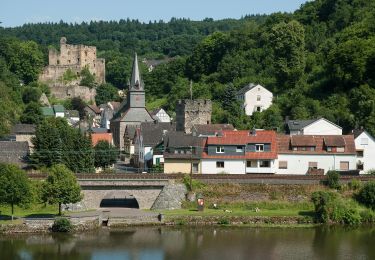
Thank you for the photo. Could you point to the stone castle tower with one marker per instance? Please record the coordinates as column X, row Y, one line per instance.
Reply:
column 192, row 112
column 132, row 110
column 74, row 57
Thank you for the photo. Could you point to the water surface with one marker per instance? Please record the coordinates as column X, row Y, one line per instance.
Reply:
column 155, row 243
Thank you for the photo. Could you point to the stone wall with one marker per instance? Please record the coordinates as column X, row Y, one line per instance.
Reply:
column 61, row 91
column 171, row 197
column 192, row 112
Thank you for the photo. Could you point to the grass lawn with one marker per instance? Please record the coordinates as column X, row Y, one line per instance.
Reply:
column 236, row 212
column 32, row 210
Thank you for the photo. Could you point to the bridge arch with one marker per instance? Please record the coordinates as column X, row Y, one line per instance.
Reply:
column 114, row 199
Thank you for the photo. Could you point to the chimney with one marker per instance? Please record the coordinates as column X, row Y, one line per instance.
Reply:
column 253, row 132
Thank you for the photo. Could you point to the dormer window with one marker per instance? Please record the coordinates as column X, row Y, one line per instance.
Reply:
column 220, row 149
column 239, row 149
column 259, row 147
column 329, row 149
column 340, row 149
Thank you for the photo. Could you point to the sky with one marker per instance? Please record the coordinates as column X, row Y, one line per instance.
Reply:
column 17, row 12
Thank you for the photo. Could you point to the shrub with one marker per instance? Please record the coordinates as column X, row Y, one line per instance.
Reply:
column 366, row 195
column 368, row 216
column 330, row 208
column 355, row 184
column 62, row 225
column 371, row 172
column 333, row 179
column 192, row 184
column 223, row 221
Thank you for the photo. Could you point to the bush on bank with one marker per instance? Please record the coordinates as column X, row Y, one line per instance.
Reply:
column 62, row 225
column 366, row 195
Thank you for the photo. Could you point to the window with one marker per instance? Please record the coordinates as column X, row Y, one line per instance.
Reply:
column 364, row 141
column 258, row 98
column 195, row 167
column 258, row 109
column 329, row 149
column 312, row 148
column 344, row 166
column 251, row 164
column 313, row 165
column 295, row 148
column 283, row 165
column 340, row 149
column 239, row 149
column 219, row 149
column 360, row 166
column 157, row 161
column 258, row 89
column 219, row 164
column 265, row 164
column 259, row 147
column 359, row 153
column 303, row 148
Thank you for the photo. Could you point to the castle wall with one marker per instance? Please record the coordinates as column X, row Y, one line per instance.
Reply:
column 192, row 112
column 61, row 91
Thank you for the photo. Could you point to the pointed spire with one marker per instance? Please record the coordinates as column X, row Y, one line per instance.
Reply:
column 135, row 82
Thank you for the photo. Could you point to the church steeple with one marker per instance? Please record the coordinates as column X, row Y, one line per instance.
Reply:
column 136, row 81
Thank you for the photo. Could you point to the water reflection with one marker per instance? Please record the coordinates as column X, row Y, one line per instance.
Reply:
column 153, row 243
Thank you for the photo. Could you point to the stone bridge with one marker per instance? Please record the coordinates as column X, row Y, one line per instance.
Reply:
column 143, row 194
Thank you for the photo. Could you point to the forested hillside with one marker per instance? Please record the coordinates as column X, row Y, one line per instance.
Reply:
column 318, row 61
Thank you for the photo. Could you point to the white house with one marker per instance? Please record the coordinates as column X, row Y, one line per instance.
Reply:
column 160, row 115
column 365, row 146
column 315, row 154
column 254, row 98
column 320, row 126
column 240, row 152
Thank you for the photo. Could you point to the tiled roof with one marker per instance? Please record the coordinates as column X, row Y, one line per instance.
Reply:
column 23, row 129
column 243, row 138
column 303, row 140
column 94, row 108
column 284, row 145
column 96, row 137
column 181, row 140
column 14, row 152
column 334, row 141
column 153, row 132
column 210, row 129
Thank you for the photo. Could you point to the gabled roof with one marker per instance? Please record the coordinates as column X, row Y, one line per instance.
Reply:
column 284, row 144
column 47, row 111
column 23, row 129
column 14, row 152
column 303, row 140
column 58, row 108
column 210, row 129
column 248, row 87
column 180, row 140
column 297, row 125
column 153, row 132
column 242, row 138
column 96, row 137
column 155, row 111
column 94, row 108
column 334, row 141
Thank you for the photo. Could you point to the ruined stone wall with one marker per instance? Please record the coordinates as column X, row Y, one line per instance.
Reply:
column 191, row 112
column 74, row 57
column 61, row 91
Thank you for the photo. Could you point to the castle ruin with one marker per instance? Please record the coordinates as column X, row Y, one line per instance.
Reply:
column 192, row 112
column 75, row 58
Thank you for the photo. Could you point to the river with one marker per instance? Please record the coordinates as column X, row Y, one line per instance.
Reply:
column 159, row 243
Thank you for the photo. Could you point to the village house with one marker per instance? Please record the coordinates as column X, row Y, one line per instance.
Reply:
column 93, row 113
column 254, row 98
column 160, row 115
column 182, row 153
column 365, row 147
column 129, row 139
column 147, row 137
column 98, row 136
column 23, row 133
column 316, row 154
column 240, row 152
column 107, row 112
column 14, row 152
column 319, row 126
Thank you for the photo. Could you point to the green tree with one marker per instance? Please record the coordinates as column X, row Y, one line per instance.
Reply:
column 288, row 43
column 61, row 187
column 105, row 93
column 87, row 79
column 32, row 114
column 30, row 94
column 79, row 105
column 366, row 195
column 105, row 154
column 15, row 188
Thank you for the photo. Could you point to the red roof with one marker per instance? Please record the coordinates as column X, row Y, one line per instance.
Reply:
column 96, row 137
column 347, row 141
column 244, row 137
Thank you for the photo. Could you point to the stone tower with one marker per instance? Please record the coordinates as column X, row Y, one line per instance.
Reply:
column 132, row 110
column 192, row 112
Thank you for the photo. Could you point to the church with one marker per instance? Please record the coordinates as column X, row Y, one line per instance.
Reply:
column 132, row 110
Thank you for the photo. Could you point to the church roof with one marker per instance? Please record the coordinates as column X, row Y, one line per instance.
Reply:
column 136, row 82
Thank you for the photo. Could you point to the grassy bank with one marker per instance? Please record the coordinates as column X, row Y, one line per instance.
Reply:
column 33, row 210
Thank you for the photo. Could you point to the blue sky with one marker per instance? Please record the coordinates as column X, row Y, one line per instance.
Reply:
column 17, row 12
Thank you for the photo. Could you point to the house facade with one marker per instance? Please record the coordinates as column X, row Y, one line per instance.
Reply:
column 365, row 147
column 315, row 154
column 160, row 115
column 240, row 152
column 320, row 126
column 254, row 98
